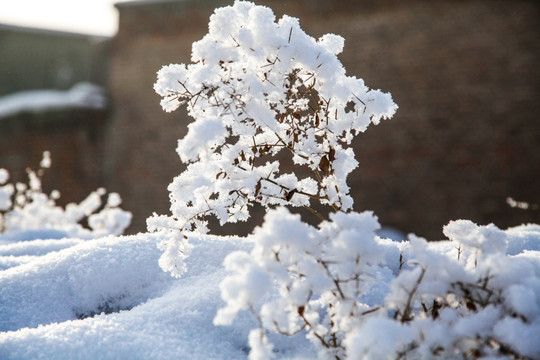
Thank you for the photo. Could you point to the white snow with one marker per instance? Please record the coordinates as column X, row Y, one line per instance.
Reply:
column 167, row 317
column 4, row 176
column 81, row 95
column 151, row 315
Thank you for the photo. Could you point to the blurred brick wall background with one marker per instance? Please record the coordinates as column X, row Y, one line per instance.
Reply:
column 34, row 59
column 464, row 73
column 74, row 138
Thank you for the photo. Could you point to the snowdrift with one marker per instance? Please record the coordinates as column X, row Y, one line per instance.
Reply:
column 109, row 299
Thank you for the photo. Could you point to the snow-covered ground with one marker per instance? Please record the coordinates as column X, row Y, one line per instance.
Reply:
column 109, row 299
column 151, row 315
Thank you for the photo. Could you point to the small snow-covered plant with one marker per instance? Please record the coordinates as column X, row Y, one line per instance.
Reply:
column 258, row 88
column 316, row 277
column 24, row 206
column 475, row 303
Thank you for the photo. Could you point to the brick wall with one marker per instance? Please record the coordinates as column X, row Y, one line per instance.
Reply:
column 464, row 74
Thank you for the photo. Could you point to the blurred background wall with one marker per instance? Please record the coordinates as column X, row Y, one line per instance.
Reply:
column 464, row 74
column 44, row 65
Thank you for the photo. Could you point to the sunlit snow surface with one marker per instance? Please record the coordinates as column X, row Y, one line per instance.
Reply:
column 48, row 298
column 41, row 300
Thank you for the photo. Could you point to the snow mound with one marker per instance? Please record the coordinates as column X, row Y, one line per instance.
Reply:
column 108, row 274
column 108, row 299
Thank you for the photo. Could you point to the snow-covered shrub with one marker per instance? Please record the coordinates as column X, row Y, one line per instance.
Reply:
column 320, row 275
column 473, row 302
column 258, row 88
column 463, row 298
column 25, row 207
